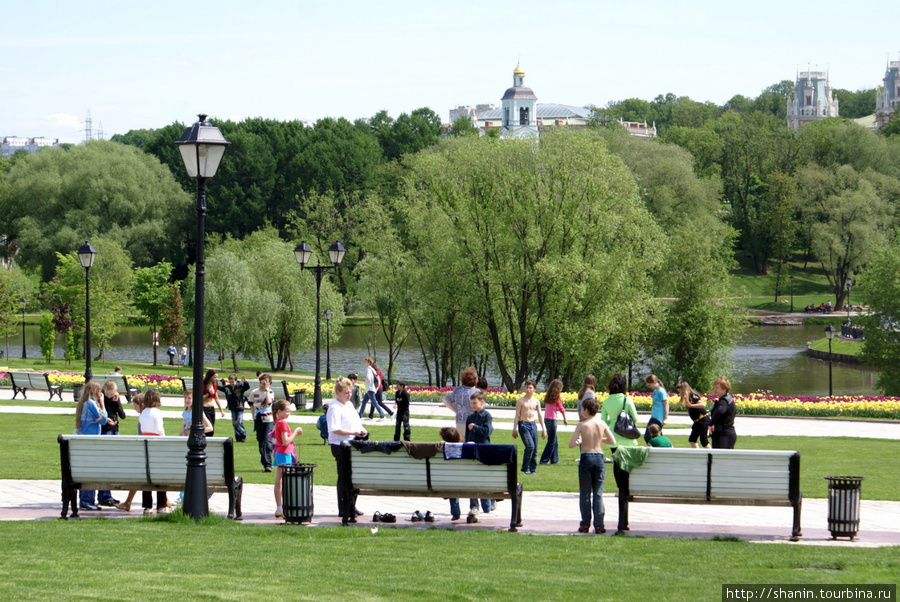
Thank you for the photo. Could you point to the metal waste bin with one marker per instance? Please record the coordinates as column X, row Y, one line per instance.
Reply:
column 843, row 506
column 297, row 492
column 300, row 400
column 76, row 392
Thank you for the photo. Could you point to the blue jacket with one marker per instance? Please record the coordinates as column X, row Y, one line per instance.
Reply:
column 481, row 433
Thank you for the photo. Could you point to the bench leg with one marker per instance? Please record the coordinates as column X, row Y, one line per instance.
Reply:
column 795, row 531
column 56, row 391
column 516, row 519
column 17, row 390
column 69, row 496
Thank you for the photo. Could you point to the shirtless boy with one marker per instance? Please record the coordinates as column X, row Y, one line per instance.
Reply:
column 527, row 408
column 591, row 432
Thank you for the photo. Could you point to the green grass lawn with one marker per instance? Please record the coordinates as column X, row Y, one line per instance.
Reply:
column 38, row 457
column 841, row 346
column 165, row 558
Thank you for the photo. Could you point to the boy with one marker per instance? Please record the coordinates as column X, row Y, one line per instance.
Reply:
column 527, row 408
column 356, row 395
column 401, row 405
column 656, row 438
column 322, row 424
column 478, row 430
column 262, row 400
column 234, row 398
column 590, row 433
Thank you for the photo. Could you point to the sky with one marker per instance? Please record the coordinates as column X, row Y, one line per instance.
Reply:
column 138, row 65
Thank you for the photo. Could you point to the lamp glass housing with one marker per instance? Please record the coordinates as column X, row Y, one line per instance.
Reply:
column 86, row 255
column 336, row 252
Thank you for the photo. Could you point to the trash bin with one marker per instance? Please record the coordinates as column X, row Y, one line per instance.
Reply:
column 300, row 400
column 843, row 506
column 76, row 392
column 297, row 492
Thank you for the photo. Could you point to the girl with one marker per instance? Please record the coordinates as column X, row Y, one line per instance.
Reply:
column 552, row 405
column 284, row 447
column 587, row 391
column 210, row 397
column 151, row 424
column 113, row 406
column 90, row 416
column 187, row 416
column 380, row 388
column 659, row 409
column 697, row 412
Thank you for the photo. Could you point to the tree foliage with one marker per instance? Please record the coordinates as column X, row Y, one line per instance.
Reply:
column 879, row 284
column 150, row 295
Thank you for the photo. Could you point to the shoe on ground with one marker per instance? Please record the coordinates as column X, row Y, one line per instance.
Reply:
column 417, row 517
column 388, row 518
column 599, row 530
column 90, row 507
column 455, row 517
column 584, row 529
column 279, row 514
column 471, row 519
column 380, row 419
column 376, row 518
column 474, row 511
column 267, row 469
column 165, row 510
column 148, row 511
column 429, row 517
column 352, row 520
column 110, row 503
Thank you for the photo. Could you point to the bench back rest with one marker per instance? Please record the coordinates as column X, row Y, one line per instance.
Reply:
column 137, row 460
column 30, row 380
column 119, row 379
column 399, row 472
column 715, row 473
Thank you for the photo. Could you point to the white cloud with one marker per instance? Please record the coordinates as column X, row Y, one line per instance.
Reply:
column 63, row 120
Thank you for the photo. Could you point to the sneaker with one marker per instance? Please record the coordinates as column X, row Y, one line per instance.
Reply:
column 474, row 511
column 455, row 517
column 417, row 517
column 429, row 517
column 471, row 519
column 584, row 529
column 165, row 510
column 90, row 507
column 148, row 511
column 279, row 514
column 599, row 530
column 267, row 469
column 110, row 503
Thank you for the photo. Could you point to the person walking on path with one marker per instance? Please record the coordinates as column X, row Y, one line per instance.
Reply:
column 659, row 408
column 401, row 404
column 552, row 406
column 344, row 424
column 211, row 398
column 609, row 413
column 459, row 399
column 721, row 419
column 171, row 353
column 527, row 409
column 590, row 434
column 381, row 386
column 184, row 355
column 371, row 379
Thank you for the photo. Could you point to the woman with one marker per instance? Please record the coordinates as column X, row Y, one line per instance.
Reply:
column 344, row 424
column 609, row 413
column 210, row 397
column 721, row 419
column 459, row 399
column 697, row 413
column 659, row 408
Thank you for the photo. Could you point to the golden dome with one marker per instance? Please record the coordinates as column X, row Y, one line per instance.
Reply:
column 518, row 72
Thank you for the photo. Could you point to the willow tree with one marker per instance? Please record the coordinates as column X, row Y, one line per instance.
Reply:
column 540, row 243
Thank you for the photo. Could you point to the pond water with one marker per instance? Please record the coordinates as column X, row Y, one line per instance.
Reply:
column 770, row 358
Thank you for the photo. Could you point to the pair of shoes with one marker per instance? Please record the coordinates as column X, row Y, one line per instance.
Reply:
column 584, row 529
column 417, row 517
column 471, row 519
column 429, row 517
column 88, row 507
column 111, row 503
column 267, row 469
column 126, row 507
column 599, row 530
column 387, row 517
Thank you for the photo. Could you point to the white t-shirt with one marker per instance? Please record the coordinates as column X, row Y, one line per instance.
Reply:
column 342, row 417
column 151, row 422
column 262, row 403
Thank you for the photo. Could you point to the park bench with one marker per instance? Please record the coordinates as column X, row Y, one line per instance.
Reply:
column 121, row 384
column 715, row 476
column 126, row 463
column 399, row 474
column 22, row 381
column 188, row 383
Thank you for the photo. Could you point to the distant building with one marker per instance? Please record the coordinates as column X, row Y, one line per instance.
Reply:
column 811, row 99
column 888, row 96
column 11, row 144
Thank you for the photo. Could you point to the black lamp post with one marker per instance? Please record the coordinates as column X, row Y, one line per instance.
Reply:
column 202, row 147
column 22, row 301
column 327, row 344
column 302, row 254
column 86, row 254
column 849, row 283
column 829, row 334
column 792, row 293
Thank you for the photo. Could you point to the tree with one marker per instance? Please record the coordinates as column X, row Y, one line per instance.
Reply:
column 538, row 242
column 703, row 143
column 48, row 337
column 58, row 199
column 463, row 127
column 857, row 104
column 172, row 331
column 150, row 295
column 879, row 284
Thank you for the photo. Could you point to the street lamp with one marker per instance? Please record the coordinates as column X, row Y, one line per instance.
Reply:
column 302, row 254
column 202, row 147
column 792, row 293
column 849, row 283
column 86, row 254
column 327, row 344
column 829, row 334
column 22, row 301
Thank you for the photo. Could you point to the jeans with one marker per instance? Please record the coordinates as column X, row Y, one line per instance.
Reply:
column 551, row 448
column 263, row 429
column 454, row 507
column 105, row 495
column 402, row 419
column 86, row 497
column 370, row 397
column 528, row 433
column 591, row 472
column 486, row 505
column 647, row 431
column 379, row 399
column 237, row 421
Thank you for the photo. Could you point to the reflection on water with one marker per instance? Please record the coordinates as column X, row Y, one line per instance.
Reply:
column 767, row 357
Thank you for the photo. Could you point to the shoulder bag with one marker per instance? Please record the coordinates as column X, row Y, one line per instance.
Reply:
column 625, row 425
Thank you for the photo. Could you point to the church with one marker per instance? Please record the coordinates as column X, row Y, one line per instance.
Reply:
column 811, row 99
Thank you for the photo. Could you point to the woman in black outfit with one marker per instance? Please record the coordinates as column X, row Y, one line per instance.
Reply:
column 721, row 419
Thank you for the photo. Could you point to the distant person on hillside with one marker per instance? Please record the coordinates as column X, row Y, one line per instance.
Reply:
column 721, row 419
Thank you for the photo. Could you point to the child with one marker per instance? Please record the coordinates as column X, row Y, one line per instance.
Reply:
column 656, row 438
column 151, row 424
column 284, row 447
column 138, row 403
column 401, row 405
column 659, row 409
column 527, row 408
column 590, row 433
column 478, row 430
column 114, row 412
column 552, row 405
column 697, row 413
column 90, row 416
column 449, row 434
column 262, row 400
column 322, row 424
column 234, row 398
column 187, row 415
column 356, row 395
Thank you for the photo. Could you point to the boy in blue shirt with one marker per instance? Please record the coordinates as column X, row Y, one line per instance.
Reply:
column 479, row 427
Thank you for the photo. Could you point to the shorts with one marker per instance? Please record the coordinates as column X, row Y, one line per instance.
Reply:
column 283, row 459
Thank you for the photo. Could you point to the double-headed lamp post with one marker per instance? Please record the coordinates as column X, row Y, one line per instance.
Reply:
column 327, row 315
column 202, row 147
column 302, row 253
column 829, row 334
column 86, row 255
